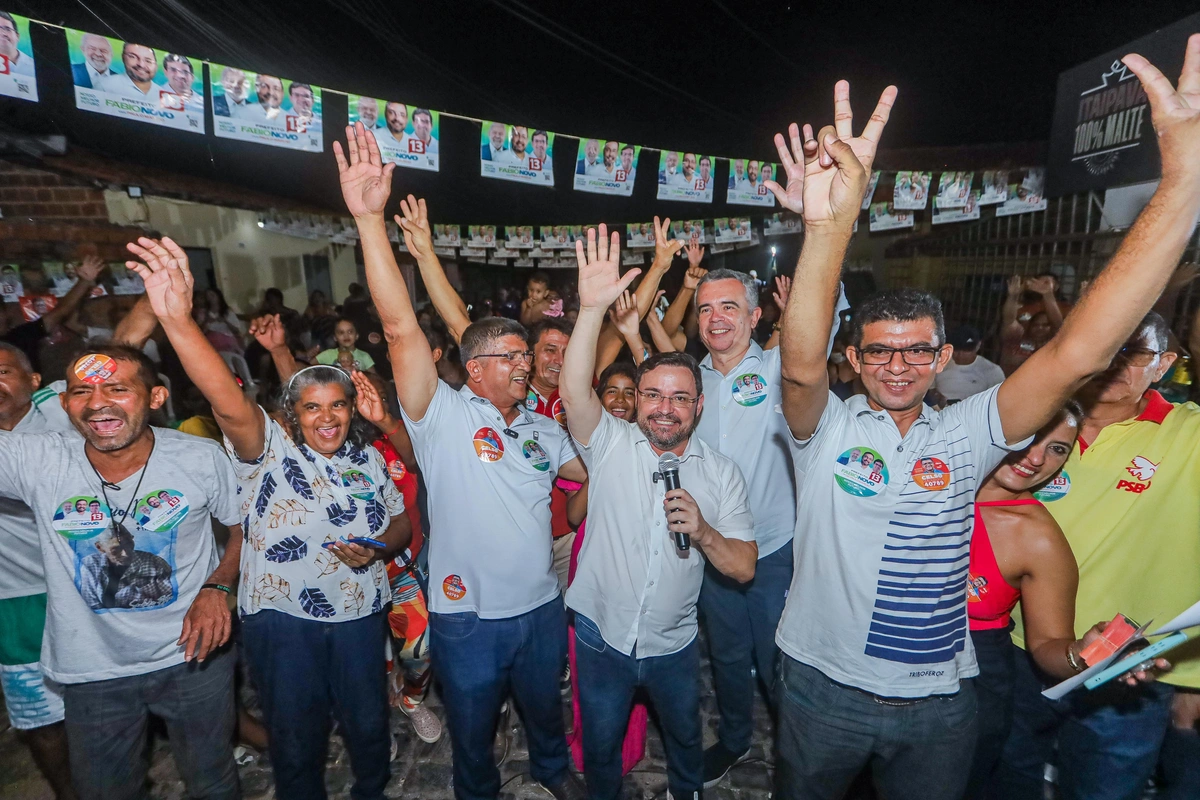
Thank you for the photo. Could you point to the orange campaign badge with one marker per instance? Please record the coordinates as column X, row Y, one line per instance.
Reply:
column 95, row 368
column 488, row 445
column 453, row 588
column 931, row 474
column 396, row 470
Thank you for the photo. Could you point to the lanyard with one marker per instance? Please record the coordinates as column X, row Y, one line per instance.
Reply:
column 112, row 517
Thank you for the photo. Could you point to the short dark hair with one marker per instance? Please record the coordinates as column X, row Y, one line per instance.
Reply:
column 1159, row 331
column 146, row 371
column 549, row 324
column 296, row 86
column 900, row 305
column 273, row 292
column 347, row 320
column 625, row 368
column 673, row 359
column 479, row 335
column 419, row 111
column 540, row 133
column 627, row 147
column 17, row 353
column 175, row 58
column 1073, row 409
column 539, row 277
column 9, row 17
column 436, row 338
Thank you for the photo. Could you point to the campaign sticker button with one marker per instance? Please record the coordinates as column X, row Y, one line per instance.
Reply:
column 488, row 446
column 453, row 588
column 861, row 471
column 1056, row 489
column 749, row 389
column 931, row 474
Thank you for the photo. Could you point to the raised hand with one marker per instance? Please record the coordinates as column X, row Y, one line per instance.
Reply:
column 1043, row 285
column 269, row 332
column 665, row 245
column 691, row 278
column 624, row 315
column 600, row 279
column 836, row 165
column 695, row 254
column 783, row 290
column 90, row 269
column 166, row 276
column 418, row 235
column 1175, row 113
column 366, row 181
column 1016, row 285
column 368, row 402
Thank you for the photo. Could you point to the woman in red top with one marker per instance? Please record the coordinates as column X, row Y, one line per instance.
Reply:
column 1018, row 552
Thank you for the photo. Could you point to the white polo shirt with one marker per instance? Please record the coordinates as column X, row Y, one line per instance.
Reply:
column 743, row 419
column 631, row 580
column 958, row 382
column 489, row 503
column 878, row 600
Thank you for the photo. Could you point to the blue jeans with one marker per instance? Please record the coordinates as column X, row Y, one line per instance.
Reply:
column 741, row 619
column 1179, row 764
column 996, row 654
column 305, row 670
column 829, row 732
column 607, row 681
column 1108, row 740
column 107, row 723
column 478, row 662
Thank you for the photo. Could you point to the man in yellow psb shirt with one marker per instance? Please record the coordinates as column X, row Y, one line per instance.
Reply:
column 1128, row 500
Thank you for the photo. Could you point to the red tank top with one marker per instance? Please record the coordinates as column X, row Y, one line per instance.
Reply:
column 990, row 598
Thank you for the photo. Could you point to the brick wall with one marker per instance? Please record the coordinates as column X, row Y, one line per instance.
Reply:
column 33, row 194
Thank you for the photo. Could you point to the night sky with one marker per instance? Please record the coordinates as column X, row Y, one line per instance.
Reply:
column 714, row 76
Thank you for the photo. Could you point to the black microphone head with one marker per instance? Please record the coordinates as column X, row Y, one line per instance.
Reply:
column 668, row 462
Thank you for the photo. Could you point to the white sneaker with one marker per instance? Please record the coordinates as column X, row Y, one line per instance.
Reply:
column 425, row 723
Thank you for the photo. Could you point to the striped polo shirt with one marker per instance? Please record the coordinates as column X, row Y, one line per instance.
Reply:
column 882, row 547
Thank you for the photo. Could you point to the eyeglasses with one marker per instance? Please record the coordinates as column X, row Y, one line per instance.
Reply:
column 913, row 356
column 513, row 356
column 1137, row 356
column 677, row 400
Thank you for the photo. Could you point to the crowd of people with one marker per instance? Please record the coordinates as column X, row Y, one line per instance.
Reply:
column 900, row 541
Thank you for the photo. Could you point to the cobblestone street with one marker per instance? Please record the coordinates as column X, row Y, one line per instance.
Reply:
column 423, row 771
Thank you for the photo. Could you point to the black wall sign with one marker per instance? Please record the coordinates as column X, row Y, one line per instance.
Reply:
column 1102, row 134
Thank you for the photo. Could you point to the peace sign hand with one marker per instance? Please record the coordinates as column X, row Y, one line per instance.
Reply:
column 366, row 182
column 166, row 276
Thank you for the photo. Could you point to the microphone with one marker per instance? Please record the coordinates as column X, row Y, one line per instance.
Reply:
column 668, row 468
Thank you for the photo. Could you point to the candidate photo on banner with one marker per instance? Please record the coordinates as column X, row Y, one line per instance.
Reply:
column 137, row 82
column 964, row 213
column 685, row 176
column 17, row 74
column 886, row 217
column 911, row 192
column 1026, row 196
column 606, row 167
column 731, row 229
column 688, row 230
column 747, row 179
column 265, row 109
column 516, row 153
column 518, row 237
column 954, row 189
column 639, row 234
column 995, row 187
column 866, row 203
column 785, row 223
column 407, row 135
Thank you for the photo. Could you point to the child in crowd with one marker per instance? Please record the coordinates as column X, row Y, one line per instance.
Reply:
column 346, row 354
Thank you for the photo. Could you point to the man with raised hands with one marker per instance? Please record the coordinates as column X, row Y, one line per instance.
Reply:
column 874, row 633
column 497, row 622
column 635, row 590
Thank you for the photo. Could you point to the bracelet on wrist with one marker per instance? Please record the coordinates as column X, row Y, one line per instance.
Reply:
column 220, row 587
column 1076, row 664
column 393, row 431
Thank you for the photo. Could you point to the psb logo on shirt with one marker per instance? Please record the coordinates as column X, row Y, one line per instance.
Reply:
column 81, row 517
column 536, row 456
column 162, row 510
column 1054, row 490
column 453, row 588
column 358, row 484
column 861, row 471
column 488, row 445
column 931, row 474
column 749, row 389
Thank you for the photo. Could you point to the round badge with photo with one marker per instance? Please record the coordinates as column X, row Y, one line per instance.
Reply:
column 488, row 445
column 162, row 510
column 536, row 456
column 558, row 412
column 1054, row 490
column 931, row 474
column 749, row 389
column 397, row 470
column 358, row 484
column 531, row 401
column 95, row 368
column 454, row 588
column 81, row 517
column 861, row 471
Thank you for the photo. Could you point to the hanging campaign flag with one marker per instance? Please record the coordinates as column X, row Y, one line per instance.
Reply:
column 255, row 107
column 746, row 179
column 689, row 230
column 481, row 236
column 639, row 235
column 995, row 187
column 447, row 235
column 137, row 82
column 516, row 153
column 885, row 217
column 956, row 214
column 732, row 229
column 911, row 192
column 17, row 76
column 606, row 167
column 954, row 189
column 518, row 237
column 407, row 135
column 866, row 203
column 1026, row 196
column 782, row 224
column 685, row 176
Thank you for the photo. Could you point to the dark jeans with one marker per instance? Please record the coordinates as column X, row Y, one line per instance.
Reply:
column 741, row 619
column 1108, row 740
column 607, row 681
column 478, row 662
column 107, row 723
column 1179, row 765
column 996, row 654
column 305, row 670
column 829, row 732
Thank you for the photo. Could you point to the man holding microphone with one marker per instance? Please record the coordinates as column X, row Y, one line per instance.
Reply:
column 636, row 587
